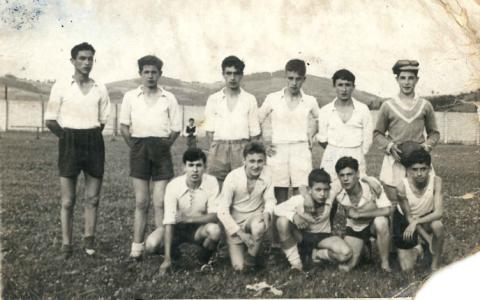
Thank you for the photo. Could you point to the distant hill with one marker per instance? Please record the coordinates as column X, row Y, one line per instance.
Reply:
column 259, row 84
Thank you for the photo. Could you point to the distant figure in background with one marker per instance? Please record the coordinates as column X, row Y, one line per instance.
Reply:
column 77, row 112
column 191, row 133
column 150, row 122
column 400, row 119
column 231, row 120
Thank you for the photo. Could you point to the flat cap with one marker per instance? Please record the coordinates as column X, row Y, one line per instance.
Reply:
column 405, row 65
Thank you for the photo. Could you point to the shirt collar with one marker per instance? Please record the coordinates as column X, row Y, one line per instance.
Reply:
column 72, row 81
column 283, row 93
column 354, row 103
column 365, row 191
column 261, row 177
column 160, row 91
column 224, row 96
column 184, row 187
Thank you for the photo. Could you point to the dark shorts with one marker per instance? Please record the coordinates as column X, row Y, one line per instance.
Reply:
column 191, row 141
column 364, row 235
column 310, row 239
column 81, row 150
column 150, row 158
column 400, row 223
column 184, row 233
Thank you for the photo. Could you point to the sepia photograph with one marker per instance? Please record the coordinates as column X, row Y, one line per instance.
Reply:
column 160, row 149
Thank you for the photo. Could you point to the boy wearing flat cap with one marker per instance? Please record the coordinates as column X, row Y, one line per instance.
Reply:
column 403, row 118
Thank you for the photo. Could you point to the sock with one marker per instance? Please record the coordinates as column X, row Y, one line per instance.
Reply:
column 293, row 256
column 323, row 254
column 137, row 248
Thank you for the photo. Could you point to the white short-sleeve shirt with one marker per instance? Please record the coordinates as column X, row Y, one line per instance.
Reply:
column 240, row 123
column 289, row 125
column 181, row 200
column 148, row 118
column 73, row 109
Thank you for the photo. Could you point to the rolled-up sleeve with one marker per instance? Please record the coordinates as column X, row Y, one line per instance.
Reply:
column 54, row 103
column 170, row 206
column 287, row 209
column 253, row 122
column 224, row 204
column 126, row 111
column 104, row 107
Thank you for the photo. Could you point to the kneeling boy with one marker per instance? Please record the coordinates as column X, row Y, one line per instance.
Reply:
column 419, row 211
column 313, row 230
column 246, row 206
column 190, row 210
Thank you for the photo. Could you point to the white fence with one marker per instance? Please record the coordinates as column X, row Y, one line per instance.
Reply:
column 28, row 116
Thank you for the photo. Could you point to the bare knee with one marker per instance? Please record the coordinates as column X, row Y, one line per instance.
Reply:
column 437, row 228
column 141, row 204
column 381, row 225
column 283, row 225
column 344, row 254
column 154, row 241
column 258, row 229
column 68, row 202
column 213, row 232
column 92, row 201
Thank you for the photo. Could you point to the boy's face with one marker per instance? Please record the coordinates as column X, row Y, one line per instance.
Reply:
column 319, row 191
column 83, row 63
column 232, row 77
column 294, row 82
column 190, row 122
column 254, row 164
column 407, row 81
column 150, row 75
column 348, row 178
column 418, row 172
column 344, row 89
column 194, row 170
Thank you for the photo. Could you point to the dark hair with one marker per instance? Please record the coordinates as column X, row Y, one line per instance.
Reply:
column 81, row 47
column 419, row 156
column 253, row 148
column 296, row 65
column 191, row 119
column 194, row 154
column 346, row 162
column 318, row 175
column 150, row 60
column 233, row 61
column 343, row 74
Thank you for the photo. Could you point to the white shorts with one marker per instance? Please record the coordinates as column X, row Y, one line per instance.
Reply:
column 332, row 154
column 290, row 165
column 393, row 172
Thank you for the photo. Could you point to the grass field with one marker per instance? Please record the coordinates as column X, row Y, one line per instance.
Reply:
column 31, row 237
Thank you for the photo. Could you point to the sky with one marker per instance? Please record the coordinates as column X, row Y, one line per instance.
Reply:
column 193, row 36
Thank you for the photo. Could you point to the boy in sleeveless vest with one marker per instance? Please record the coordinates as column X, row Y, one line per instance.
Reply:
column 419, row 211
column 403, row 118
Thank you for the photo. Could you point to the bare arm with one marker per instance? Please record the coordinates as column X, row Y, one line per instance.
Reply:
column 167, row 262
column 127, row 136
column 54, row 127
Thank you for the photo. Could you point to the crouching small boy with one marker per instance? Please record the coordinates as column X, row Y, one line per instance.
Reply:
column 312, row 231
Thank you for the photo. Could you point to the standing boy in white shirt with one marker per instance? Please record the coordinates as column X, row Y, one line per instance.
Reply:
column 150, row 122
column 344, row 125
column 231, row 120
column 77, row 112
column 290, row 152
